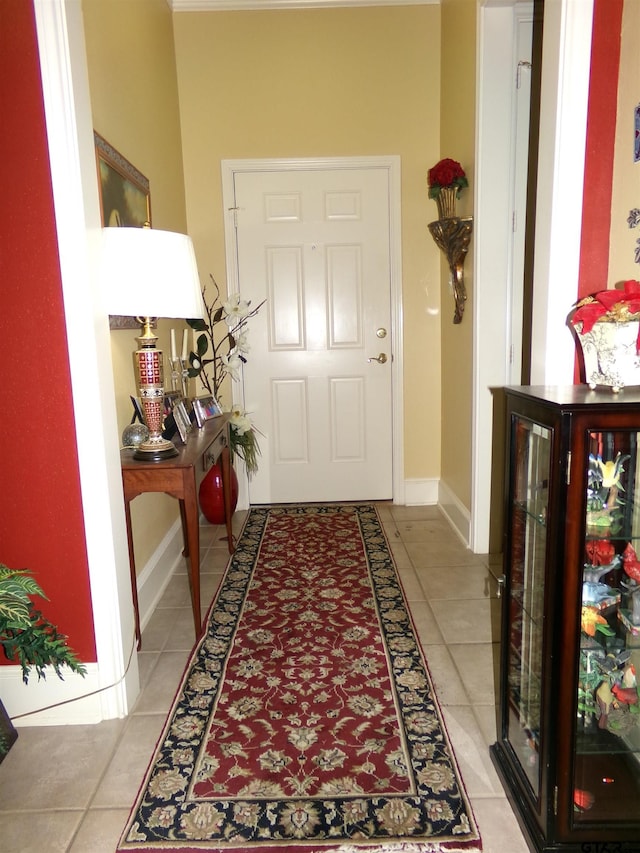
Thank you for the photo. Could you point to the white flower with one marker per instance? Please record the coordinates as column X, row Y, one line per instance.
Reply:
column 235, row 309
column 233, row 364
column 242, row 343
column 239, row 421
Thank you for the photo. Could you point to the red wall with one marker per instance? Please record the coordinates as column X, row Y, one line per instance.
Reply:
column 600, row 143
column 41, row 520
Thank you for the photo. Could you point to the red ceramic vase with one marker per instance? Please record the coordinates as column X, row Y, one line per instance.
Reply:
column 212, row 497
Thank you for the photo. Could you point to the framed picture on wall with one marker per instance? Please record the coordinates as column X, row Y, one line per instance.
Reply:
column 125, row 200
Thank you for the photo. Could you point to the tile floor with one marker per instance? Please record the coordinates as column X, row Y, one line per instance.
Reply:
column 70, row 788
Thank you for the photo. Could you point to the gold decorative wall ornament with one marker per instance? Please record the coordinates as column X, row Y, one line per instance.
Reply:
column 452, row 236
column 446, row 201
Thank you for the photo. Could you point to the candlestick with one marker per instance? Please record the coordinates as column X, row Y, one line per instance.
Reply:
column 185, row 337
column 179, row 375
column 176, row 374
column 173, row 344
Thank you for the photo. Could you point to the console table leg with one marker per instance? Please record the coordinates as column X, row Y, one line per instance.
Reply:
column 134, row 579
column 185, row 528
column 191, row 531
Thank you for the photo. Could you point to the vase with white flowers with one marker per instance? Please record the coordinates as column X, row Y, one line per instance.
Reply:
column 221, row 348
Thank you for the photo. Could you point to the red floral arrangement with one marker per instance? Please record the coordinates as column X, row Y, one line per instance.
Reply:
column 610, row 306
column 446, row 173
column 613, row 306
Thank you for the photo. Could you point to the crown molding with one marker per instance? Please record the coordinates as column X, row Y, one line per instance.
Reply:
column 253, row 5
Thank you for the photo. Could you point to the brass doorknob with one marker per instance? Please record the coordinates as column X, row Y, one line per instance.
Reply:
column 381, row 359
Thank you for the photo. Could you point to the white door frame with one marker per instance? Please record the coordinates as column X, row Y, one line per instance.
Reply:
column 563, row 113
column 493, row 239
column 392, row 164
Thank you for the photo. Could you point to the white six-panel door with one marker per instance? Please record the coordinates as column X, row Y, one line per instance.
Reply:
column 315, row 245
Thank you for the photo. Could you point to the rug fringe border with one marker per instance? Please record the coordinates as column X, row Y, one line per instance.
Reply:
column 471, row 846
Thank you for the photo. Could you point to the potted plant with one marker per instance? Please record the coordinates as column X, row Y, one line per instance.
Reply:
column 221, row 350
column 28, row 638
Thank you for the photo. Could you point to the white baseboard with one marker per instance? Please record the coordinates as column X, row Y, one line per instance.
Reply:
column 456, row 512
column 156, row 574
column 25, row 699
column 420, row 492
column 19, row 698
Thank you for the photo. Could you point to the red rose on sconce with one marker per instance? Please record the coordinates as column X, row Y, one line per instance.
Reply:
column 447, row 173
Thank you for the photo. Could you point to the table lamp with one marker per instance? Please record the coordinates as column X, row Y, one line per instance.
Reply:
column 146, row 274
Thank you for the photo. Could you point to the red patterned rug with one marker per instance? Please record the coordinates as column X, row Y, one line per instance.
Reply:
column 306, row 720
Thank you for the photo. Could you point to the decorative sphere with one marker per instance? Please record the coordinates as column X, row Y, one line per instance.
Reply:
column 134, row 434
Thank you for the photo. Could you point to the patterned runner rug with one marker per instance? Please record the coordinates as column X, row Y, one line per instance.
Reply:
column 306, row 720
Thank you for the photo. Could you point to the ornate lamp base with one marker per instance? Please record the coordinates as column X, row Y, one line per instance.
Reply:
column 150, row 379
column 155, row 451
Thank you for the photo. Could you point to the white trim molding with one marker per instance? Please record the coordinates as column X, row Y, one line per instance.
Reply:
column 52, row 701
column 262, row 5
column 566, row 65
column 565, row 82
column 421, row 492
column 455, row 511
column 67, row 104
column 77, row 700
column 157, row 572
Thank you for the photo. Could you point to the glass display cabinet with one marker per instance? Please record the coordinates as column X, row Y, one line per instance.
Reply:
column 568, row 745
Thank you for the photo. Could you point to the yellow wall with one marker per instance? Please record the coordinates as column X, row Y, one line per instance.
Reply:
column 457, row 137
column 134, row 100
column 626, row 175
column 324, row 82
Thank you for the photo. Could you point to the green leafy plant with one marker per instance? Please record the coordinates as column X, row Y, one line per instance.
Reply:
column 221, row 350
column 26, row 636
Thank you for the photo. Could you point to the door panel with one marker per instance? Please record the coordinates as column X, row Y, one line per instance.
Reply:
column 315, row 245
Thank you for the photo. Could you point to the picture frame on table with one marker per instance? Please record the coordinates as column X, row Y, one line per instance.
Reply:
column 125, row 200
column 138, row 414
column 169, row 425
column 183, row 422
column 170, row 399
column 205, row 408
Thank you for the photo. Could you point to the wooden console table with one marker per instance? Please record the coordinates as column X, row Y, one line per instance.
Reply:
column 180, row 477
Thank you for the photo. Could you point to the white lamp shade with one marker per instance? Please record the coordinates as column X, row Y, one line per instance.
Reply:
column 149, row 273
